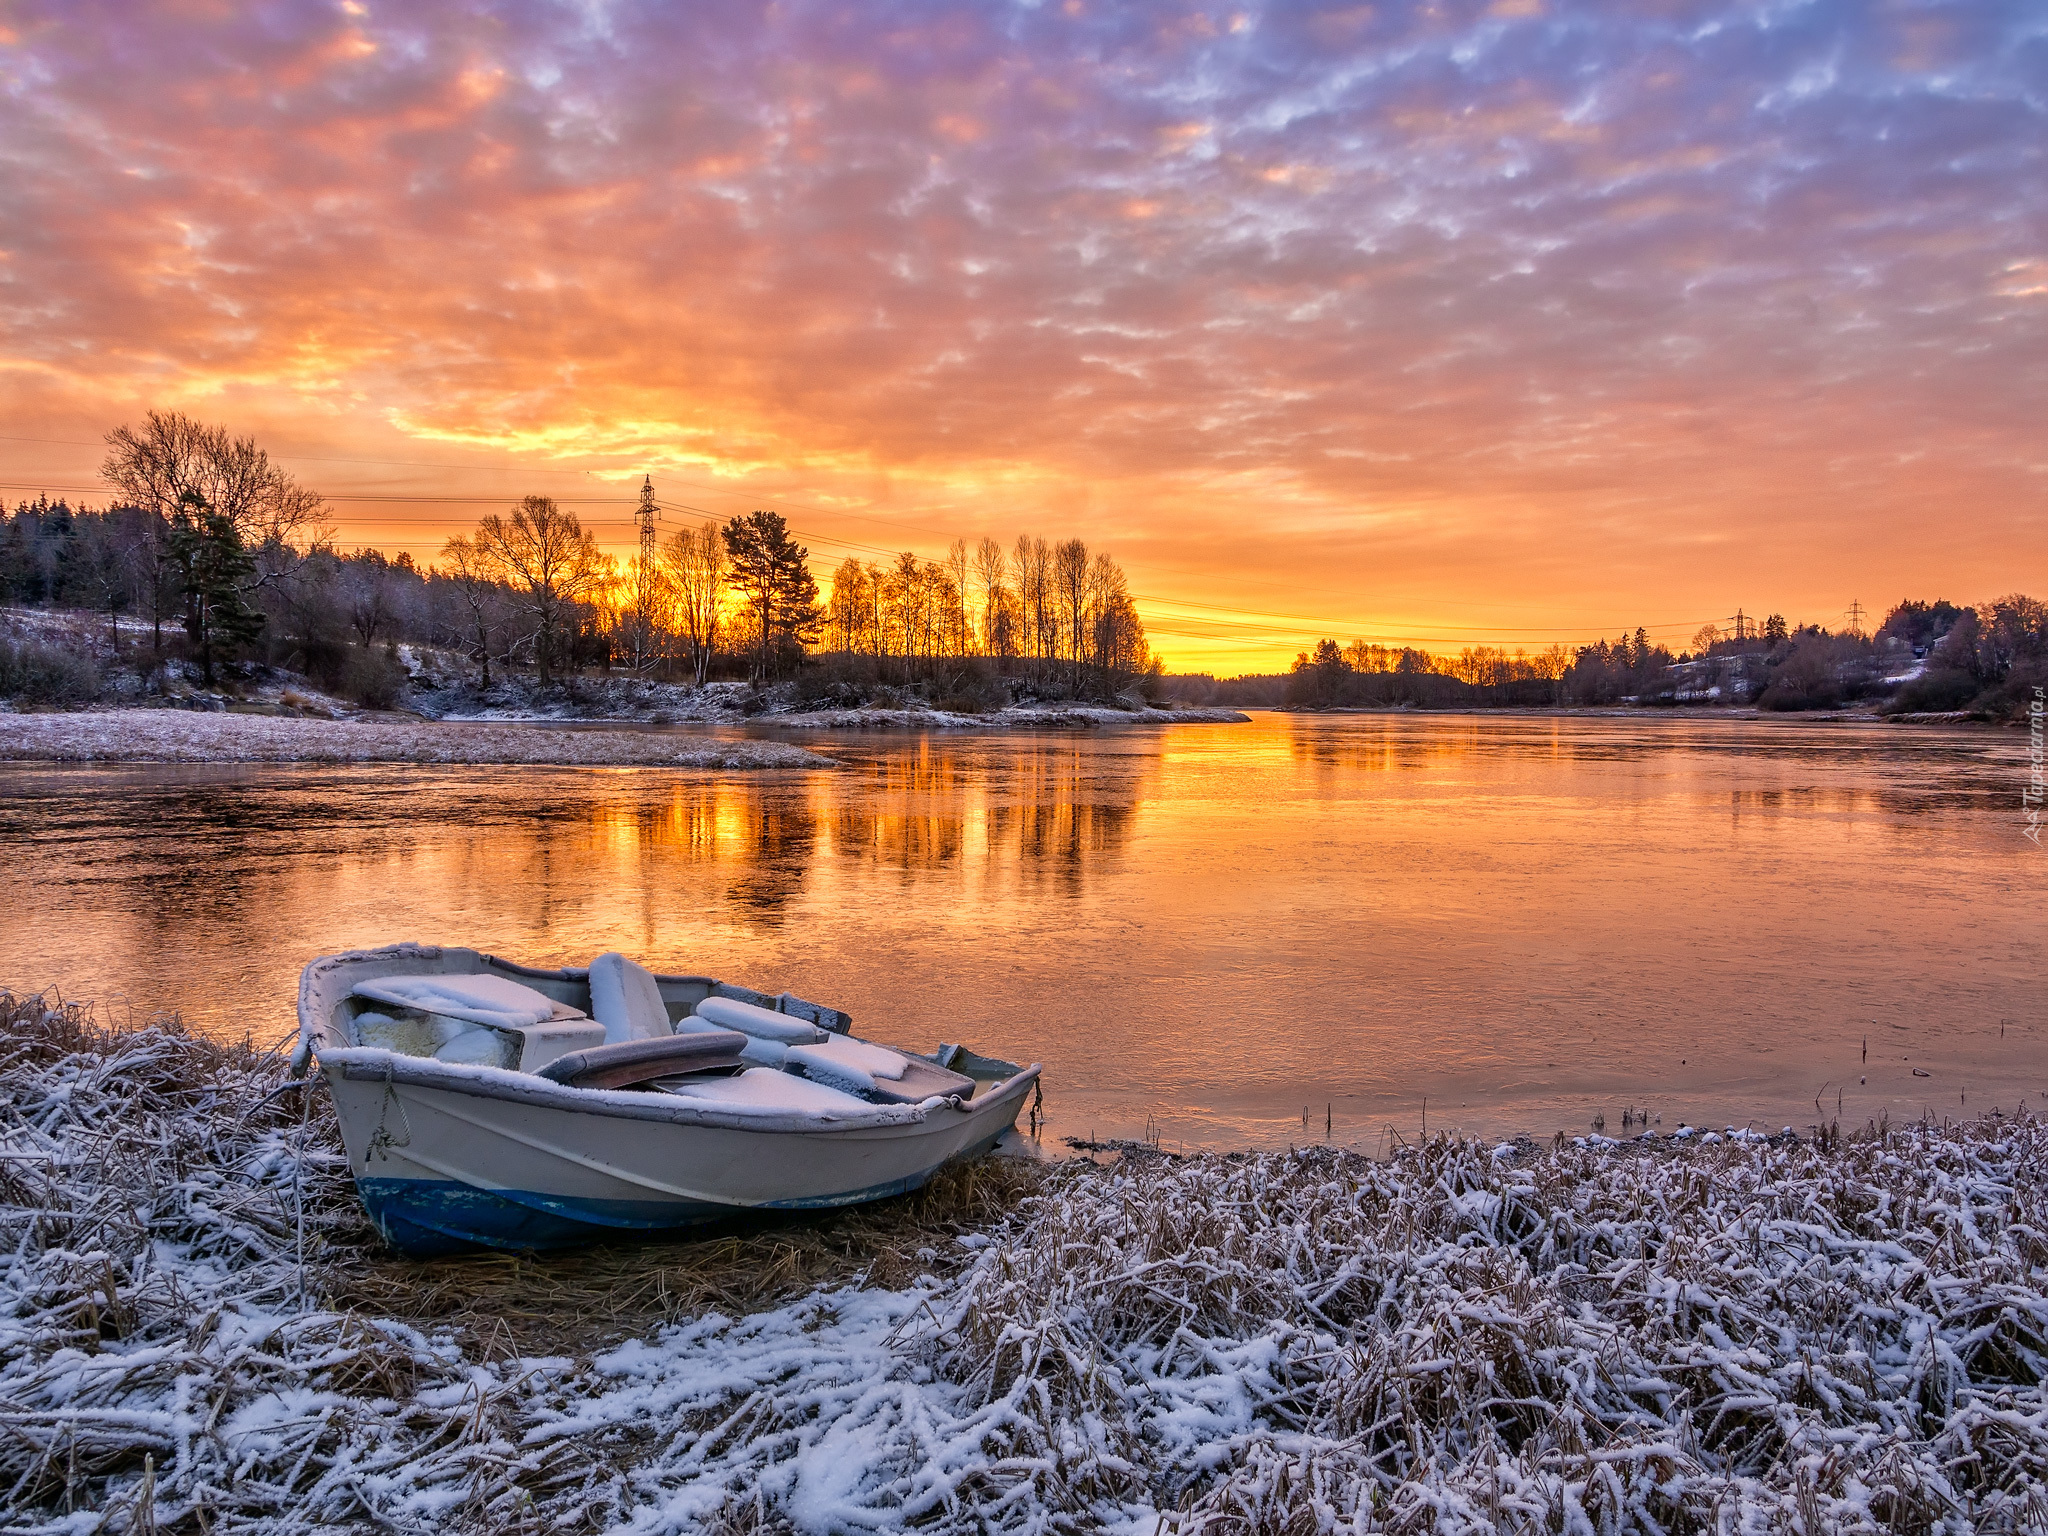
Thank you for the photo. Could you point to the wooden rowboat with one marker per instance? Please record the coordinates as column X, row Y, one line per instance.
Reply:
column 490, row 1104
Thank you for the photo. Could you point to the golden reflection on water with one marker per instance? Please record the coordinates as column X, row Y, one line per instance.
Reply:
column 1527, row 920
column 1051, row 814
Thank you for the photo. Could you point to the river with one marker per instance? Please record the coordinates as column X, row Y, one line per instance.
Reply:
column 1218, row 935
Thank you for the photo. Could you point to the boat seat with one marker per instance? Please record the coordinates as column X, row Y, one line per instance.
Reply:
column 850, row 1064
column 641, row 1061
column 765, row 1088
column 761, row 1023
column 875, row 1072
column 495, row 1001
column 626, row 999
column 920, row 1081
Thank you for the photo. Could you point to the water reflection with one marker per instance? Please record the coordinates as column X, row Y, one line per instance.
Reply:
column 1527, row 920
column 1040, row 815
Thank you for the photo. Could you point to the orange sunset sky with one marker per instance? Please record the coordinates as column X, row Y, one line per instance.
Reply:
column 1444, row 324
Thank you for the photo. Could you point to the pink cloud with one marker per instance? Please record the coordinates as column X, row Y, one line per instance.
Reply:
column 1530, row 308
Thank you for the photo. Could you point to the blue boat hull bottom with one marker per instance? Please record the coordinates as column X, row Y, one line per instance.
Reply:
column 432, row 1218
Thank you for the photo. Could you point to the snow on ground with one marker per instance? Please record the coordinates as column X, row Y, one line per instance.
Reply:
column 1763, row 1334
column 444, row 689
column 184, row 736
column 1018, row 717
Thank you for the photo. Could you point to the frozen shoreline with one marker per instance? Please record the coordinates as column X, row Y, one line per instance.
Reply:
column 1050, row 717
column 1847, row 1335
column 188, row 736
column 1024, row 717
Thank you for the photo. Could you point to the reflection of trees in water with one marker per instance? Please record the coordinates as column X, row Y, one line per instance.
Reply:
column 1066, row 811
column 760, row 840
column 777, row 844
column 198, row 853
column 1375, row 746
column 911, row 817
column 1809, row 800
column 1046, row 809
column 1389, row 746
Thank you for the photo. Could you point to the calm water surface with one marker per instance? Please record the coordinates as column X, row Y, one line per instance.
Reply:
column 1219, row 932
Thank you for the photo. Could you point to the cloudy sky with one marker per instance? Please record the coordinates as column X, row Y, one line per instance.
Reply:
column 1448, row 322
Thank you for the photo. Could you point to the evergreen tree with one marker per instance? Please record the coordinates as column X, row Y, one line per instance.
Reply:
column 769, row 569
column 214, row 571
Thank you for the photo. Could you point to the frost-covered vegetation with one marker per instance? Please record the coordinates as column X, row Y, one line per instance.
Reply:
column 1843, row 1334
column 180, row 736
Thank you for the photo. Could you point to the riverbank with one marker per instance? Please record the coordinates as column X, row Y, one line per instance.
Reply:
column 72, row 661
column 1018, row 717
column 190, row 736
column 1846, row 1334
column 1747, row 714
column 442, row 693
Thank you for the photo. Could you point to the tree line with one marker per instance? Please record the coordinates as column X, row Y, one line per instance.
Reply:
column 1988, row 659
column 225, row 556
column 1054, row 616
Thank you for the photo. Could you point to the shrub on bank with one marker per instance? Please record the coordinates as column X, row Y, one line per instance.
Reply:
column 33, row 673
column 971, row 686
column 372, row 678
column 2012, row 699
column 1937, row 690
column 968, row 685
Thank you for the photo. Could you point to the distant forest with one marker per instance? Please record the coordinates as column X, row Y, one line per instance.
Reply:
column 226, row 562
column 1925, row 657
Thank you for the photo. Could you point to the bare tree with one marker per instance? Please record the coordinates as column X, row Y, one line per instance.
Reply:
column 1033, row 559
column 958, row 637
column 645, row 618
column 173, row 457
column 366, row 592
column 472, row 575
column 989, row 568
column 1070, row 595
column 545, row 553
column 693, row 560
column 113, row 564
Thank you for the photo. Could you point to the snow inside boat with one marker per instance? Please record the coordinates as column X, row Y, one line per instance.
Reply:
column 493, row 1104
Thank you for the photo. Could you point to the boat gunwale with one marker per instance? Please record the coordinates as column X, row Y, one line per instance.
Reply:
column 325, row 980
column 372, row 1064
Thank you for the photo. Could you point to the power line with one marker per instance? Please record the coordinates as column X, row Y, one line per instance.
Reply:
column 1251, row 624
column 1538, row 637
column 757, row 500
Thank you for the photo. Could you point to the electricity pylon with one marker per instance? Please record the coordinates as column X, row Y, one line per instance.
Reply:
column 643, row 579
column 644, row 516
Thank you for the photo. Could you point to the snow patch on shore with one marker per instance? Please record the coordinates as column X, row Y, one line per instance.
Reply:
column 1020, row 717
column 181, row 736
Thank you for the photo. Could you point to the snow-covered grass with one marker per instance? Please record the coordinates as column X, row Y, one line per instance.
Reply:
column 1745, row 1335
column 442, row 695
column 1017, row 717
column 185, row 736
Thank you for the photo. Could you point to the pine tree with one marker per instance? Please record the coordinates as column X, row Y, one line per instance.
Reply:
column 769, row 568
column 213, row 570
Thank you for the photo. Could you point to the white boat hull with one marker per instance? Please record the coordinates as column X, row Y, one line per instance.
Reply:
column 447, row 1157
